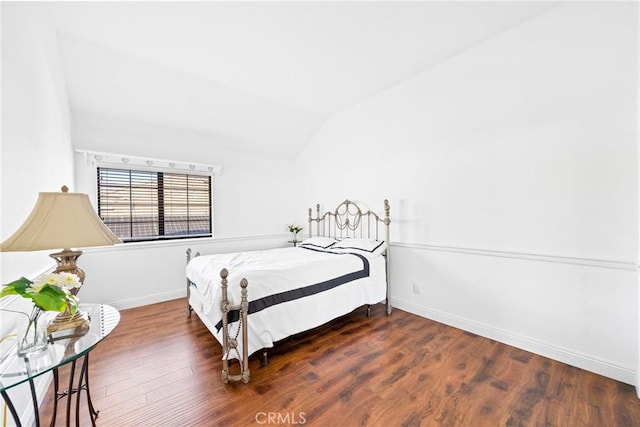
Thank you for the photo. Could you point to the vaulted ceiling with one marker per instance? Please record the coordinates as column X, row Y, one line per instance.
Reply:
column 259, row 76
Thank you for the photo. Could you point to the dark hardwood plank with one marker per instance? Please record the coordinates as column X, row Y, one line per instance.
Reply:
column 159, row 368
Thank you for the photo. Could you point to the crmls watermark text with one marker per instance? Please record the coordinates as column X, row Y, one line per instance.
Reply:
column 280, row 418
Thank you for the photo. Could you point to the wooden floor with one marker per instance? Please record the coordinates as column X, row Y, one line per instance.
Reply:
column 159, row 368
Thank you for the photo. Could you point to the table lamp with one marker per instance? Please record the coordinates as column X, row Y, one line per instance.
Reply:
column 62, row 220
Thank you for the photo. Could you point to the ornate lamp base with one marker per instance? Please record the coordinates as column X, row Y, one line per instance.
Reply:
column 78, row 321
column 63, row 321
column 67, row 262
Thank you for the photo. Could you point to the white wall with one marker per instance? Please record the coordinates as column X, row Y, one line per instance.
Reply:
column 36, row 153
column 511, row 169
column 251, row 197
column 36, row 142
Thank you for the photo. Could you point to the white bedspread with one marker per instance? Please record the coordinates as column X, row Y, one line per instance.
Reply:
column 290, row 289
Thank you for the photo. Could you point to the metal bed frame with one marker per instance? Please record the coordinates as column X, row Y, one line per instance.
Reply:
column 346, row 221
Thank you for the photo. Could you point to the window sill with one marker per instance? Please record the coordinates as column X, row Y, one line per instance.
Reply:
column 181, row 242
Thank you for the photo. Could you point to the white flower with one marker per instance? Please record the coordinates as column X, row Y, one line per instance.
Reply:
column 63, row 280
column 68, row 280
column 49, row 279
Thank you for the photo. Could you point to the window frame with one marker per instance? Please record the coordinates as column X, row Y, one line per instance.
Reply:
column 161, row 220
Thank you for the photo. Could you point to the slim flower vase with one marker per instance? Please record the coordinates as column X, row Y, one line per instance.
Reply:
column 294, row 230
column 32, row 334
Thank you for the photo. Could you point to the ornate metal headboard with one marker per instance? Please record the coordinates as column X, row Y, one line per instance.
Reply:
column 348, row 220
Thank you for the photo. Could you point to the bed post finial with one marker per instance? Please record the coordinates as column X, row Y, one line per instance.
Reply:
column 387, row 208
column 387, row 221
column 230, row 343
column 318, row 217
column 310, row 222
column 189, row 308
column 244, row 309
column 224, row 307
column 224, row 273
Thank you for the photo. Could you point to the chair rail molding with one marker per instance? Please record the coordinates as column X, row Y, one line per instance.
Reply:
column 529, row 256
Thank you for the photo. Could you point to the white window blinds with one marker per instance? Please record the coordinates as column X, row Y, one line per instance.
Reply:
column 139, row 205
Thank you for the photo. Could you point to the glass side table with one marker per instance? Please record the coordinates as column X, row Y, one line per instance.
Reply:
column 16, row 370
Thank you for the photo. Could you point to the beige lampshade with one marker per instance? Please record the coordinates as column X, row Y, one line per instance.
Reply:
column 60, row 220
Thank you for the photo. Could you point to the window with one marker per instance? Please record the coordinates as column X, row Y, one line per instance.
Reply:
column 140, row 205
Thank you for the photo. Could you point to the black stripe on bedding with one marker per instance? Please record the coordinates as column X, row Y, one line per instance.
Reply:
column 294, row 294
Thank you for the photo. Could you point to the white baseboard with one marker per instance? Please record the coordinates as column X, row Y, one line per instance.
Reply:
column 148, row 299
column 570, row 357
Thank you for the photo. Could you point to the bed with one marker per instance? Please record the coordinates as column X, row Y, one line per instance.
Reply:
column 250, row 300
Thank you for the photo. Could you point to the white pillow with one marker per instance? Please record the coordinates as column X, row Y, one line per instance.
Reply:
column 319, row 242
column 374, row 247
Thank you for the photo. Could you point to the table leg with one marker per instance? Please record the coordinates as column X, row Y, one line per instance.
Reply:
column 92, row 411
column 69, row 392
column 78, row 390
column 34, row 400
column 56, row 396
column 82, row 384
column 12, row 408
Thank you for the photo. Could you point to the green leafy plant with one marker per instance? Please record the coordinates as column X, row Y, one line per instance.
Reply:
column 295, row 229
column 50, row 293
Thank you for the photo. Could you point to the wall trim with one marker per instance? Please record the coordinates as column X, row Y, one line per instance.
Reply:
column 193, row 242
column 149, row 299
column 126, row 161
column 527, row 256
column 564, row 355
